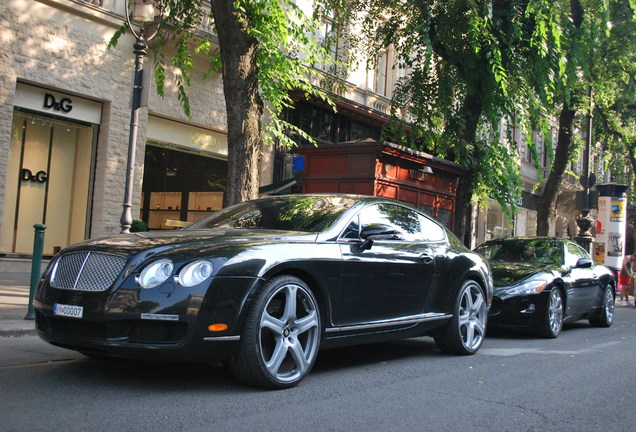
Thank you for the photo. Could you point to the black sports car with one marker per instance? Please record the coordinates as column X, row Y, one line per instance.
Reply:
column 541, row 283
column 266, row 283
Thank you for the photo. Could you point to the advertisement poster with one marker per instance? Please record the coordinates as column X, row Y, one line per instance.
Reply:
column 610, row 226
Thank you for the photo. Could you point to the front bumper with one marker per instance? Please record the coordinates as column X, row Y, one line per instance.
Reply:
column 167, row 322
column 523, row 311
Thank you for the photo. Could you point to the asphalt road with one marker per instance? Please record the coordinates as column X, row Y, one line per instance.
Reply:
column 583, row 381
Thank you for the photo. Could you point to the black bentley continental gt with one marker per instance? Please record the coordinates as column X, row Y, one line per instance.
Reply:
column 263, row 285
column 542, row 283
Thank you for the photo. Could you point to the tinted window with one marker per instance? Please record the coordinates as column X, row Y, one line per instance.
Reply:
column 304, row 213
column 431, row 230
column 538, row 251
column 575, row 252
column 403, row 220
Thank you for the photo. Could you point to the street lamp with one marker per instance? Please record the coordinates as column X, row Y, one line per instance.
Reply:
column 144, row 12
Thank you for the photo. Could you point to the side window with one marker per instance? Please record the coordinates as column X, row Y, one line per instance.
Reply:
column 403, row 220
column 574, row 253
column 431, row 230
column 353, row 229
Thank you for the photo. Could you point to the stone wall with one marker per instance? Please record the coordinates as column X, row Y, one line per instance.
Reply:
column 62, row 45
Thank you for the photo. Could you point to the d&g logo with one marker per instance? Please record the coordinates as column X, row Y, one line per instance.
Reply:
column 39, row 177
column 65, row 104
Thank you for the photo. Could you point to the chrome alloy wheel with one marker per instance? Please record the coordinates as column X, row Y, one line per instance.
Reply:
column 472, row 317
column 289, row 333
column 608, row 304
column 555, row 312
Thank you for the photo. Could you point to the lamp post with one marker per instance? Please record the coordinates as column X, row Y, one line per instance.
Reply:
column 144, row 12
column 586, row 221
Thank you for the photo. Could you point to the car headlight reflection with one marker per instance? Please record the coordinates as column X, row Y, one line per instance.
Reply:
column 155, row 273
column 195, row 273
column 530, row 286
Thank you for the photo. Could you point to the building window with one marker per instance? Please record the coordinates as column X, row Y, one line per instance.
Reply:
column 497, row 225
column 380, row 83
column 322, row 124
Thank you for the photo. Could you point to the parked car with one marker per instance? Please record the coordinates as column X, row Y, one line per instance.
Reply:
column 542, row 283
column 266, row 283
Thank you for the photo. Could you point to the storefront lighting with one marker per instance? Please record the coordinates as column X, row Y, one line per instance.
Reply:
column 144, row 23
column 33, row 120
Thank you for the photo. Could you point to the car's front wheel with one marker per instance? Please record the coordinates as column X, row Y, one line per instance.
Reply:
column 553, row 319
column 281, row 337
column 606, row 317
column 467, row 329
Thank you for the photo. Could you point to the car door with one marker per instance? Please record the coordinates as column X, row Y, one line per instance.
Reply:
column 584, row 285
column 390, row 279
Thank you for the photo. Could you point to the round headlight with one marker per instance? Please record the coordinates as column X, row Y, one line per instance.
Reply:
column 195, row 273
column 156, row 273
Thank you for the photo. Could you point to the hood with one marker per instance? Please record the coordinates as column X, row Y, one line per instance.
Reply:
column 183, row 240
column 506, row 273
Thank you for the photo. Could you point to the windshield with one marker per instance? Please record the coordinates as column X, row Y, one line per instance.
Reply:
column 538, row 251
column 303, row 213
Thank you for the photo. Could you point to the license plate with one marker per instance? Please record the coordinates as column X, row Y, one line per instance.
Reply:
column 68, row 310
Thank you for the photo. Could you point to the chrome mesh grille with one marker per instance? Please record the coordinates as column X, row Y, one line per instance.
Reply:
column 87, row 271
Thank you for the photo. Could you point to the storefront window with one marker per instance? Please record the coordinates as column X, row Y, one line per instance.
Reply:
column 48, row 182
column 180, row 187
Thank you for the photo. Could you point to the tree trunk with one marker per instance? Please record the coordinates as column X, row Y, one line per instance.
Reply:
column 244, row 106
column 467, row 133
column 547, row 204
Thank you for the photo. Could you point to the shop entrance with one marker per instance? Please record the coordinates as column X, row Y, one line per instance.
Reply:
column 180, row 187
column 48, row 182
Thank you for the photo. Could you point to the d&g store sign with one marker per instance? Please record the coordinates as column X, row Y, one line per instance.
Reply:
column 49, row 172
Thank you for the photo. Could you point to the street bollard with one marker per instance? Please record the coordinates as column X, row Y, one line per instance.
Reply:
column 36, row 264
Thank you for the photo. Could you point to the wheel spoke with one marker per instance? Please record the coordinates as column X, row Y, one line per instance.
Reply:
column 299, row 356
column 279, row 354
column 274, row 324
column 290, row 303
column 464, row 319
column 470, row 334
column 307, row 323
column 479, row 326
column 477, row 305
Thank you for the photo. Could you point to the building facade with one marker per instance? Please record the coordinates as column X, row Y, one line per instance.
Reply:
column 65, row 110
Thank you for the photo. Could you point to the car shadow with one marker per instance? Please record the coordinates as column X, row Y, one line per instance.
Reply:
column 516, row 334
column 113, row 373
column 373, row 353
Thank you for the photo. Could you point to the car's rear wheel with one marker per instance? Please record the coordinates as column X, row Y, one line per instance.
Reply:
column 467, row 329
column 553, row 319
column 281, row 337
column 606, row 317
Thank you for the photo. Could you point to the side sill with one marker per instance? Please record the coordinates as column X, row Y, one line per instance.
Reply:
column 414, row 319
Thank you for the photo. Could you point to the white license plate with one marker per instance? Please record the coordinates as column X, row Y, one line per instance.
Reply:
column 68, row 310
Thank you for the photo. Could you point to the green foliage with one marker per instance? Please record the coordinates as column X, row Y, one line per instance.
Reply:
column 470, row 64
column 287, row 44
column 138, row 226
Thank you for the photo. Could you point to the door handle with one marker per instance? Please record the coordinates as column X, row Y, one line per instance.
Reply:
column 426, row 258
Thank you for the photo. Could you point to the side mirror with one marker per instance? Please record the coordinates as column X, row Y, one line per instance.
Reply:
column 583, row 263
column 373, row 232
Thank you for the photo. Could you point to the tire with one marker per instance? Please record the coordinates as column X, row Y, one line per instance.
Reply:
column 281, row 337
column 467, row 329
column 606, row 316
column 553, row 319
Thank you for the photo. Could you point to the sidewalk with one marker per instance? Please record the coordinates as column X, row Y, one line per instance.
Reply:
column 14, row 299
